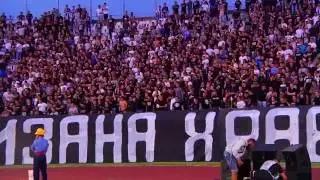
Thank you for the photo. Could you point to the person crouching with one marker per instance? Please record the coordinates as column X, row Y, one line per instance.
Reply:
column 233, row 155
column 270, row 170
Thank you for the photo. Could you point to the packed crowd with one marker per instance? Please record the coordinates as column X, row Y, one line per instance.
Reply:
column 195, row 55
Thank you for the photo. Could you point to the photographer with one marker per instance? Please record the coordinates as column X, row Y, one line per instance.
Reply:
column 234, row 153
column 270, row 170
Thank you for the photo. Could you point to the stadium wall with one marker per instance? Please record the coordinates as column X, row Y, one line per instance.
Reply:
column 157, row 136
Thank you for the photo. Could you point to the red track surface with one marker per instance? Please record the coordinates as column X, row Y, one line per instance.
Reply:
column 125, row 173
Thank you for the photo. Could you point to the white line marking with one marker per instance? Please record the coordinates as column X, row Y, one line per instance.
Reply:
column 30, row 174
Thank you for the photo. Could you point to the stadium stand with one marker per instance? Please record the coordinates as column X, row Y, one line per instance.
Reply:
column 191, row 56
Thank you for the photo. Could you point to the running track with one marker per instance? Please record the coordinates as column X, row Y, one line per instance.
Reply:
column 125, row 173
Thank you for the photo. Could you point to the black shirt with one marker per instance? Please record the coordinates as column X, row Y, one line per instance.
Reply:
column 275, row 169
column 261, row 95
column 216, row 102
column 175, row 8
column 115, row 106
column 177, row 106
column 238, row 4
column 149, row 106
column 29, row 17
column 302, row 99
column 283, row 104
column 194, row 106
column 160, row 105
column 165, row 9
column 205, row 103
column 183, row 8
column 133, row 105
column 189, row 5
column 125, row 18
column 140, row 105
column 111, row 23
column 196, row 4
column 3, row 65
column 316, row 100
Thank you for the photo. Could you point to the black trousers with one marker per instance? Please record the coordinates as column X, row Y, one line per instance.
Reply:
column 262, row 175
column 245, row 169
column 39, row 164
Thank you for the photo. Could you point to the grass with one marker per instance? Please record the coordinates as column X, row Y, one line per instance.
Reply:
column 190, row 164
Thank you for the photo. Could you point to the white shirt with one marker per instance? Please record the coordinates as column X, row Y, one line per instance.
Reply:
column 20, row 90
column 210, row 51
column 172, row 101
column 76, row 39
column 267, row 165
column 188, row 70
column 126, row 40
column 21, row 31
column 26, row 46
column 312, row 45
column 54, row 114
column 317, row 78
column 315, row 19
column 289, row 38
column 205, row 63
column 25, row 22
column 299, row 33
column 105, row 10
column 63, row 88
column 281, row 53
column 237, row 148
column 256, row 72
column 73, row 110
column 284, row 25
column 235, row 66
column 87, row 46
column 205, row 7
column 131, row 61
column 7, row 96
column 216, row 51
column 287, row 53
column 42, row 107
column 19, row 47
column 186, row 78
column 8, row 45
column 241, row 104
column 99, row 12
column 243, row 59
column 271, row 37
column 132, row 43
column 29, row 80
column 221, row 43
column 155, row 94
column 139, row 76
column 104, row 30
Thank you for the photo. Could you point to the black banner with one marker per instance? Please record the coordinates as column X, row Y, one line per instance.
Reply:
column 157, row 137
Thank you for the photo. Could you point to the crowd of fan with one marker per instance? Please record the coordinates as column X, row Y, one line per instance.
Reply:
column 194, row 56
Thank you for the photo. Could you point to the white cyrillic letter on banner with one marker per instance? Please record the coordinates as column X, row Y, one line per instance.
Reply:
column 81, row 138
column 291, row 134
column 115, row 137
column 313, row 134
column 195, row 136
column 47, row 125
column 8, row 134
column 231, row 118
column 148, row 137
